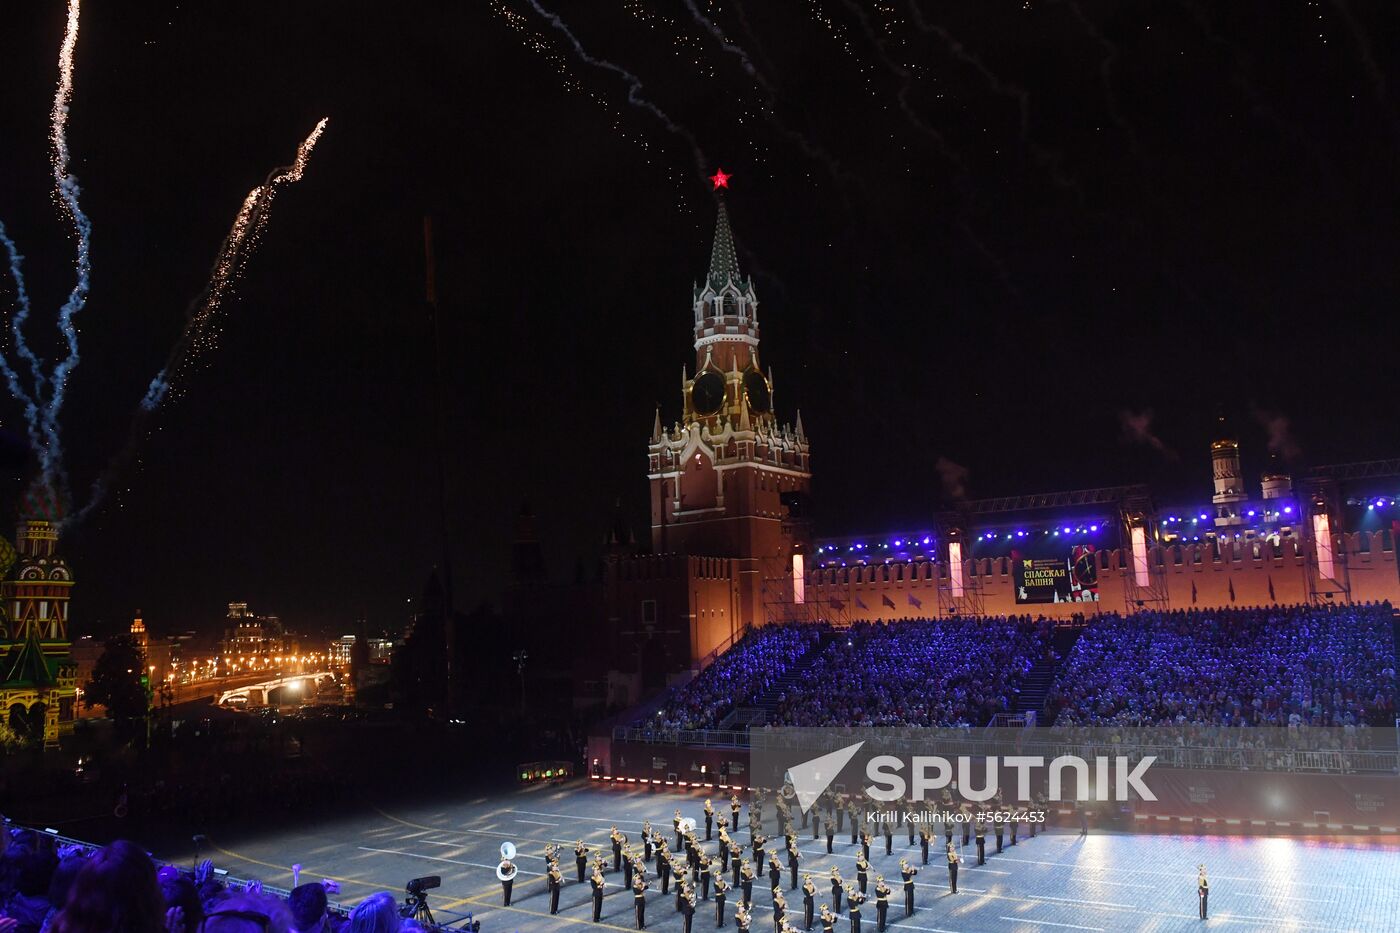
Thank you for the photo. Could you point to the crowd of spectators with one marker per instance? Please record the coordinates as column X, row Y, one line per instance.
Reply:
column 48, row 888
column 743, row 672
column 918, row 672
column 1293, row 666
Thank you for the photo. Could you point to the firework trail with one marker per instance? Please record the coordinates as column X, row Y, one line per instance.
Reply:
column 12, row 380
column 906, row 80
column 233, row 255
column 201, row 316
column 66, row 187
column 1244, row 83
column 770, row 110
column 1111, row 54
column 743, row 19
column 1048, row 159
column 634, row 87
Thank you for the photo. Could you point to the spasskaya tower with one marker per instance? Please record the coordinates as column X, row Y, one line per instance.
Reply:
column 727, row 478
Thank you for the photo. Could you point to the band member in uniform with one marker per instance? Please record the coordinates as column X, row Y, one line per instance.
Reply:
column 597, row 882
column 909, row 823
column 1036, row 805
column 907, row 872
column 966, row 823
column 507, row 868
column 830, row 833
column 720, row 889
column 775, row 871
column 1015, row 819
column 864, row 844
column 862, row 872
column 646, row 840
column 746, row 883
column 889, row 839
column 723, row 848
column 947, row 827
column 688, row 909
column 742, row 918
column 1000, row 831
column 734, row 810
column 758, row 839
column 981, row 841
column 953, row 861
column 617, row 839
column 794, row 856
column 924, row 838
column 839, row 805
column 639, row 900
column 627, row 867
column 779, row 909
column 828, row 921
column 663, row 869
column 835, row 890
column 555, row 880
column 816, row 822
column 736, row 858
column 704, row 878
column 809, row 901
column 709, row 819
column 1203, row 891
column 581, row 859
column 855, row 824
column 855, row 899
column 882, row 902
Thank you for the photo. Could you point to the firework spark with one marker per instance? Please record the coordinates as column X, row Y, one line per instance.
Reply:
column 200, row 332
column 43, row 400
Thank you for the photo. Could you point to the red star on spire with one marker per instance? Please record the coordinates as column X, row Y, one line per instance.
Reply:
column 720, row 179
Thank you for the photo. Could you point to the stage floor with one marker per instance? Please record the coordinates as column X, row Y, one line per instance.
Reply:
column 1096, row 883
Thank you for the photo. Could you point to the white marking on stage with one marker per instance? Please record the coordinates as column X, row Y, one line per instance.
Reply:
column 1051, row 923
column 1177, row 874
column 434, row 858
column 570, row 816
column 535, row 822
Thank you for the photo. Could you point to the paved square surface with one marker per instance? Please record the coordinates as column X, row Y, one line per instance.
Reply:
column 1053, row 882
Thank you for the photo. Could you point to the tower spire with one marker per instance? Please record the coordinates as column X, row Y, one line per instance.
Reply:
column 724, row 263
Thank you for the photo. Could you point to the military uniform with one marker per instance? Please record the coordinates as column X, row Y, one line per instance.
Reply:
column 746, row 883
column 775, row 871
column 809, row 895
column 507, row 868
column 889, row 840
column 856, row 898
column 864, row 845
column 828, row 921
column 555, row 881
column 709, row 819
column 688, row 910
column 882, row 903
column 704, row 879
column 794, row 857
column 830, row 835
column 736, row 860
column 779, row 909
column 639, row 902
column 1000, row 831
column 581, row 859
column 924, row 837
column 862, row 872
column 953, row 861
column 597, row 882
column 617, row 839
column 720, row 889
column 1203, row 893
column 663, row 869
column 742, row 918
column 981, row 842
column 907, row 872
column 835, row 891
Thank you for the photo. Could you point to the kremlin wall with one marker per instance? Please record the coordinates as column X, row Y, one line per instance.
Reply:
column 733, row 545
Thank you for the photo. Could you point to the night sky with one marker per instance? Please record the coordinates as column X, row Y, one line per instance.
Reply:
column 1041, row 240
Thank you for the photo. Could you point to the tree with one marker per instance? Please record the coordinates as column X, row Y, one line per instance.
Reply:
column 116, row 680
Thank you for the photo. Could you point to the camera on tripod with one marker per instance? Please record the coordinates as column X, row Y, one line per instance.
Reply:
column 418, row 886
column 415, row 902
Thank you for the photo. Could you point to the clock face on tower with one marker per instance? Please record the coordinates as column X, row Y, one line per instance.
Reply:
column 756, row 390
column 707, row 393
